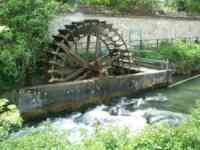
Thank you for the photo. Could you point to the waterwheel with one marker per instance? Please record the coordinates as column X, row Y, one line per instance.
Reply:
column 68, row 61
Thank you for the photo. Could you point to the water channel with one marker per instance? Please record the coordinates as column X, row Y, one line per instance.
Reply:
column 169, row 105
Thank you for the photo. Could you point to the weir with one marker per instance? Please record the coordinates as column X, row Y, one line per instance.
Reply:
column 71, row 96
column 99, row 70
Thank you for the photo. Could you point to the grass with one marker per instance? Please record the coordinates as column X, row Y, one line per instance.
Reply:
column 185, row 56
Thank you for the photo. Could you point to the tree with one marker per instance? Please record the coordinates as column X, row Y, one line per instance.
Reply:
column 190, row 6
column 27, row 21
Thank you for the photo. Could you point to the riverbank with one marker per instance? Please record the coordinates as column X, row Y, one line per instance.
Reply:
column 185, row 136
column 133, row 121
column 183, row 55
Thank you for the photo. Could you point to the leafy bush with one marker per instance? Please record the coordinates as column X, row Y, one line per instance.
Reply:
column 128, row 6
column 156, row 137
column 189, row 6
column 192, row 6
column 21, row 48
column 185, row 55
column 10, row 118
column 48, row 139
column 12, row 58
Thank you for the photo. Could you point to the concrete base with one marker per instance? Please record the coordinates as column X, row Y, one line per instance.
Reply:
column 41, row 100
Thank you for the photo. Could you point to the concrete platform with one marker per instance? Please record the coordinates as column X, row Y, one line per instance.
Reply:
column 71, row 96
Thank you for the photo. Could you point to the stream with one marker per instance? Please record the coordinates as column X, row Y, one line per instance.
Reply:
column 158, row 106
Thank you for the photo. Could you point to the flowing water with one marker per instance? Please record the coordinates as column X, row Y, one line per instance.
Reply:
column 164, row 105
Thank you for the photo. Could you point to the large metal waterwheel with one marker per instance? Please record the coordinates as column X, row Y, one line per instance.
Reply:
column 69, row 62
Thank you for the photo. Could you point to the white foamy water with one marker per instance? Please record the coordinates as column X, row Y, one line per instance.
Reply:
column 133, row 114
column 119, row 115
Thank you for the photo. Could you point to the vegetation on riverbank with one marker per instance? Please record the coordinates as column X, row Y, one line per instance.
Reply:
column 10, row 119
column 184, row 55
column 189, row 6
column 25, row 37
column 24, row 40
column 22, row 44
column 156, row 137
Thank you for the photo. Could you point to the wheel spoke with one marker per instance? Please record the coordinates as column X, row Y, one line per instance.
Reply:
column 88, row 43
column 72, row 66
column 75, row 74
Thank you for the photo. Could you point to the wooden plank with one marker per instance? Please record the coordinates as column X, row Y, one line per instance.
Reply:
column 97, row 48
column 88, row 43
column 80, row 61
column 75, row 74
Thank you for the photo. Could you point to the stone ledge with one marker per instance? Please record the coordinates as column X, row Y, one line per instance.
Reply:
column 42, row 100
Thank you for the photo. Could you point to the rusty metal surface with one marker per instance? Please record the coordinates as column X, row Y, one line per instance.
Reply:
column 65, row 49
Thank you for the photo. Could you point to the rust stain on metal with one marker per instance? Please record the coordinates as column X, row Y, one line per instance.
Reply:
column 65, row 49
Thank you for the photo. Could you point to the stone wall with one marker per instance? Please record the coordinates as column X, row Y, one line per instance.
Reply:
column 71, row 96
column 139, row 27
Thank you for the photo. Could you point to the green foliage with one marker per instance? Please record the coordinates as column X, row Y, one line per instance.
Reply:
column 21, row 47
column 48, row 139
column 128, row 6
column 10, row 118
column 190, row 6
column 13, row 57
column 96, row 2
column 185, row 55
column 156, row 137
column 162, row 137
column 109, row 139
